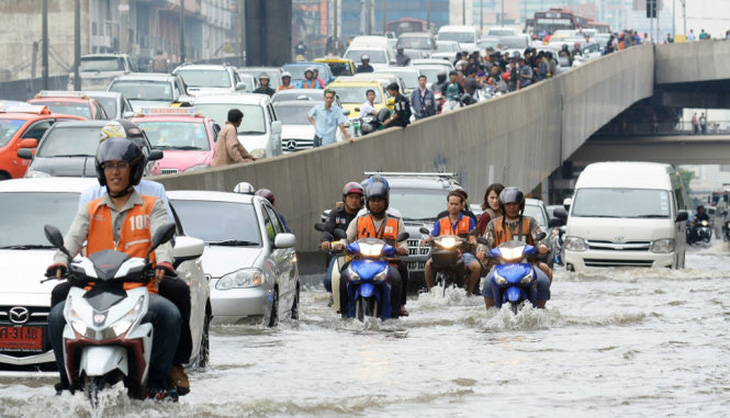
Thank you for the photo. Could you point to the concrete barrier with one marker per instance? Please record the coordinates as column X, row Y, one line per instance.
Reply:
column 521, row 138
column 690, row 62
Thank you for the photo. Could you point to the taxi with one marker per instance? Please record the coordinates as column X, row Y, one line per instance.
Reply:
column 351, row 95
column 338, row 66
column 185, row 137
column 71, row 103
column 22, row 126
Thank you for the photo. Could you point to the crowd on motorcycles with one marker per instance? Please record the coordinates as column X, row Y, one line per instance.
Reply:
column 365, row 238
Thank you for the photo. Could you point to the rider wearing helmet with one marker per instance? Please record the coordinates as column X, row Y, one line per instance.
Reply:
column 309, row 81
column 285, row 82
column 105, row 224
column 264, row 88
column 340, row 218
column 514, row 225
column 377, row 223
column 269, row 195
column 365, row 66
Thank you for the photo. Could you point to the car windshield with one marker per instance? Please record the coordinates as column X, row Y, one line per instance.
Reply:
column 376, row 57
column 8, row 128
column 534, row 211
column 415, row 42
column 70, row 141
column 487, row 43
column 410, row 78
column 297, row 71
column 101, row 64
column 294, row 115
column 418, row 204
column 298, row 94
column 254, row 122
column 432, row 73
column 77, row 109
column 356, row 94
column 621, row 203
column 205, row 78
column 176, row 135
column 461, row 37
column 340, row 68
column 109, row 104
column 500, row 32
column 235, row 223
column 143, row 90
column 446, row 47
column 273, row 76
column 25, row 213
column 513, row 42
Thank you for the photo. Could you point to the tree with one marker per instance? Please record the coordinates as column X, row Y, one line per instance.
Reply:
column 687, row 176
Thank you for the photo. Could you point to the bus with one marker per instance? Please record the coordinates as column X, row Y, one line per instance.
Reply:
column 556, row 19
column 598, row 26
column 405, row 25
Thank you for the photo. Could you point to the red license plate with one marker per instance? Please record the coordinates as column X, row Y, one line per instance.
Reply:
column 21, row 338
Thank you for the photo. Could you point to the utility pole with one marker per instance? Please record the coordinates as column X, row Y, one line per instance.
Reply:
column 684, row 14
column 501, row 16
column 336, row 21
column 385, row 15
column 428, row 15
column 124, row 26
column 182, row 31
column 242, row 28
column 463, row 14
column 481, row 15
column 77, row 44
column 674, row 18
column 44, row 50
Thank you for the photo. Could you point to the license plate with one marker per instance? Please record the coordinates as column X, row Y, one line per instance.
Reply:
column 21, row 338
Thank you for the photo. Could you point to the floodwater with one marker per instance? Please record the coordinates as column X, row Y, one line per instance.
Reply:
column 615, row 343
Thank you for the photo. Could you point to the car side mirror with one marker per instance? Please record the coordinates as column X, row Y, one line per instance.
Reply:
column 25, row 153
column 682, row 216
column 346, row 112
column 240, row 86
column 423, row 230
column 276, row 127
column 155, row 155
column 357, row 109
column 186, row 249
column 554, row 223
column 29, row 143
column 128, row 114
column 285, row 240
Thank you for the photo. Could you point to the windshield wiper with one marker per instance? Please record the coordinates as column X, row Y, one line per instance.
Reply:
column 651, row 216
column 419, row 219
column 27, row 247
column 178, row 147
column 70, row 155
column 251, row 133
column 233, row 243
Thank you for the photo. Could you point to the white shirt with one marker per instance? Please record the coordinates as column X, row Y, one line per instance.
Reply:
column 367, row 109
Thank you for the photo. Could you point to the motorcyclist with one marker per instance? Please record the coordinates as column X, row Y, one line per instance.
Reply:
column 309, row 81
column 103, row 224
column 264, row 87
column 514, row 225
column 300, row 49
column 453, row 90
column 701, row 215
column 377, row 223
column 694, row 232
column 340, row 218
column 401, row 59
column 456, row 223
column 365, row 66
column 269, row 195
column 440, row 83
column 285, row 82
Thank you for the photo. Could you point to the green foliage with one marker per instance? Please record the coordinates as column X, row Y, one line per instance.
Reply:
column 687, row 176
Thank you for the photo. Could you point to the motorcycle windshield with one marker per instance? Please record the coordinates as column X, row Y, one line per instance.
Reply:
column 513, row 272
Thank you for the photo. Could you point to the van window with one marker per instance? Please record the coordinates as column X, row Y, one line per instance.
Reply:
column 621, row 203
column 461, row 37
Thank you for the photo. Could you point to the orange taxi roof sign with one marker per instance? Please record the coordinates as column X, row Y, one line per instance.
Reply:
column 167, row 111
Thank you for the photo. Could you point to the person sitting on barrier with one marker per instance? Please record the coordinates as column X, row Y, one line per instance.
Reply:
column 514, row 225
column 453, row 90
column 401, row 115
column 456, row 223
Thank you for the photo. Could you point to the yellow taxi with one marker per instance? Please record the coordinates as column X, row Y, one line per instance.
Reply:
column 339, row 66
column 351, row 95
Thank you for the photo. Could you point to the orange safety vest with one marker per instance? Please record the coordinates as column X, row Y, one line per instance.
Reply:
column 283, row 87
column 502, row 235
column 462, row 227
column 312, row 84
column 388, row 229
column 135, row 238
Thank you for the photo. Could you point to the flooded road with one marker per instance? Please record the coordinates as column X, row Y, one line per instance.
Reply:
column 615, row 343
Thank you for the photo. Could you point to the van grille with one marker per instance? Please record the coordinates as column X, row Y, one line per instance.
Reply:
column 619, row 246
column 597, row 262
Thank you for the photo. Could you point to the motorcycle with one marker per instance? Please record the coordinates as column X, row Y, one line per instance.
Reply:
column 105, row 340
column 367, row 278
column 447, row 262
column 701, row 231
column 368, row 123
column 514, row 274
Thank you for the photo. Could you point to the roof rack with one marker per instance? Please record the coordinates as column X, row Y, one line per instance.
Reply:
column 62, row 93
column 411, row 174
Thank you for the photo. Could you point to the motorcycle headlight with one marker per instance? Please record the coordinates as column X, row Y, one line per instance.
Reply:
column 240, row 279
column 704, row 223
column 511, row 255
column 352, row 274
column 728, row 225
column 78, row 324
column 662, row 246
column 371, row 250
column 124, row 323
column 575, row 244
column 528, row 277
column 380, row 277
column 499, row 279
column 447, row 242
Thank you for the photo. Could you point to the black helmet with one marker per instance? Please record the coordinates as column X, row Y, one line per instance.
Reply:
column 120, row 149
column 377, row 186
column 511, row 195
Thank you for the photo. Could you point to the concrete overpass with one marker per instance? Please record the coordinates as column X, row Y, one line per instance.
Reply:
column 676, row 149
column 518, row 139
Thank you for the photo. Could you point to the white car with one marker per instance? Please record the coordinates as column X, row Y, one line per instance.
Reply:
column 297, row 133
column 25, row 253
column 260, row 131
column 248, row 255
column 210, row 79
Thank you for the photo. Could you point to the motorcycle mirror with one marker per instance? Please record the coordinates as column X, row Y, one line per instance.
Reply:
column 555, row 222
column 482, row 240
column 319, row 227
column 423, row 230
column 340, row 234
column 540, row 236
column 162, row 235
column 402, row 237
column 53, row 235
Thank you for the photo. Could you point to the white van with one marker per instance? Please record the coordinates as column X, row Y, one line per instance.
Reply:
column 466, row 36
column 626, row 214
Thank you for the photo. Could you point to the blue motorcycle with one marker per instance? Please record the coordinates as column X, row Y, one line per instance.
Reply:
column 514, row 275
column 368, row 276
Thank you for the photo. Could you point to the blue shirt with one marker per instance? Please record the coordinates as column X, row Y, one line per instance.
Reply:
column 150, row 188
column 437, row 226
column 326, row 122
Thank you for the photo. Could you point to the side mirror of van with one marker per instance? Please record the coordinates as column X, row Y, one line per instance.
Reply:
column 682, row 216
column 554, row 223
column 561, row 214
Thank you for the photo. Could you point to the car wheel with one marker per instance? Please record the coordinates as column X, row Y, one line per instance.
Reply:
column 4, row 176
column 274, row 314
column 204, row 354
column 295, row 305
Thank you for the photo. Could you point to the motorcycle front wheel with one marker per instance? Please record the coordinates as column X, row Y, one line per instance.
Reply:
column 366, row 307
column 93, row 385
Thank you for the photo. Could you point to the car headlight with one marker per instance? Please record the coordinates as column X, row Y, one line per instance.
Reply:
column 380, row 277
column 259, row 153
column 124, row 323
column 195, row 168
column 662, row 246
column 240, row 279
column 728, row 225
column 447, row 242
column 575, row 244
column 35, row 174
column 499, row 279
